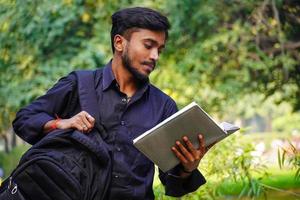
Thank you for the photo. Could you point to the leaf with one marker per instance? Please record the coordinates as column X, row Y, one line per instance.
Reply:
column 283, row 157
column 297, row 175
column 243, row 192
column 293, row 148
column 279, row 158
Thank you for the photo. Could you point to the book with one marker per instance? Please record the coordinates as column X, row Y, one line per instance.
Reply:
column 190, row 121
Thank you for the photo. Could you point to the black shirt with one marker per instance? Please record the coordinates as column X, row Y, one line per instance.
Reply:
column 132, row 173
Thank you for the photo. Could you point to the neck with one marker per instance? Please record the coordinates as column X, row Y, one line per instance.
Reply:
column 125, row 79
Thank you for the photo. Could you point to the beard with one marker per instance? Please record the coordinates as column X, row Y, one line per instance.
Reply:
column 127, row 62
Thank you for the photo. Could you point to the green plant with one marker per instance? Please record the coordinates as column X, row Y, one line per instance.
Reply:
column 291, row 156
column 231, row 160
column 8, row 161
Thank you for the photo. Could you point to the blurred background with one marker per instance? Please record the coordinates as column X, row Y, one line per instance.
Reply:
column 239, row 59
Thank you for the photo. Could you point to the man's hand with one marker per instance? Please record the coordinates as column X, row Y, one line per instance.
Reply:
column 188, row 155
column 83, row 122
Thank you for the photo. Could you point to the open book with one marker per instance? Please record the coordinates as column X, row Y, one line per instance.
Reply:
column 191, row 120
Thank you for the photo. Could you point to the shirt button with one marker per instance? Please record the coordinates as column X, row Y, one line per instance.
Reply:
column 124, row 100
column 116, row 176
column 122, row 123
column 118, row 149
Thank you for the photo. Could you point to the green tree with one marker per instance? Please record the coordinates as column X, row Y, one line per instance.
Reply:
column 237, row 47
column 217, row 52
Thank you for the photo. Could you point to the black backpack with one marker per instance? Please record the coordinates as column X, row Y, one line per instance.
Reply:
column 65, row 164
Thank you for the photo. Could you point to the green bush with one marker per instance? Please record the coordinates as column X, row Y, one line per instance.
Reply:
column 288, row 123
column 230, row 160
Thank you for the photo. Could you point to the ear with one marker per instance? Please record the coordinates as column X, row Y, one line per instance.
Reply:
column 119, row 43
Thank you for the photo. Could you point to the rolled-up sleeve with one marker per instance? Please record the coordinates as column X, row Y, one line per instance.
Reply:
column 174, row 184
column 30, row 120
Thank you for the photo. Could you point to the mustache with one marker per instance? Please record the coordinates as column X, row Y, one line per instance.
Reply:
column 153, row 63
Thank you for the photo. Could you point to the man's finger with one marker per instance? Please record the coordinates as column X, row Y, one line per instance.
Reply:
column 190, row 146
column 86, row 123
column 202, row 143
column 179, row 156
column 90, row 118
column 79, row 127
column 185, row 152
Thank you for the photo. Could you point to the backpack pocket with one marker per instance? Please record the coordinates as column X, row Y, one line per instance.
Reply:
column 42, row 177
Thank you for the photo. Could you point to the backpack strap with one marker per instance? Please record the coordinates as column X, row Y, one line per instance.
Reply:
column 88, row 97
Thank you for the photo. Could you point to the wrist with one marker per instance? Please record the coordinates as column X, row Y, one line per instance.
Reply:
column 55, row 123
column 182, row 168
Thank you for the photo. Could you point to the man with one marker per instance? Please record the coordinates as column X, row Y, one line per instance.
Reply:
column 129, row 105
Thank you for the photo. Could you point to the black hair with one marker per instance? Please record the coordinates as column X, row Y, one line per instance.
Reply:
column 137, row 17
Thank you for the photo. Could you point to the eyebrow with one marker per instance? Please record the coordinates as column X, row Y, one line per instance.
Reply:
column 153, row 41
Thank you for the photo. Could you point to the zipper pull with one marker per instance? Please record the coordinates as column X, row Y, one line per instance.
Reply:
column 10, row 182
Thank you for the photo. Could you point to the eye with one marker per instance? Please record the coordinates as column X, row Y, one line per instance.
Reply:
column 147, row 46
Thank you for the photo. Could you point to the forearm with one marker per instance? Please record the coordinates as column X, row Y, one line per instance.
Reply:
column 82, row 121
column 50, row 126
column 30, row 122
column 29, row 126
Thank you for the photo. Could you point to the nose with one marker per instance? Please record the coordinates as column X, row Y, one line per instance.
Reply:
column 154, row 55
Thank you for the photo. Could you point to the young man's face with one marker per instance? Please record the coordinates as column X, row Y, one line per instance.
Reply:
column 142, row 51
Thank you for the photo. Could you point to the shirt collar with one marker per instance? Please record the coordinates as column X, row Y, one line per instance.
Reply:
column 108, row 76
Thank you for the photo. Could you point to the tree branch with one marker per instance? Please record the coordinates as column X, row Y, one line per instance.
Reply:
column 286, row 46
column 276, row 16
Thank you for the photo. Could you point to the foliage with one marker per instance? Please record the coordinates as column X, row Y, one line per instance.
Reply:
column 288, row 123
column 218, row 50
column 230, row 56
column 41, row 39
column 261, row 114
column 278, row 185
column 232, row 160
column 291, row 156
column 238, row 47
column 9, row 161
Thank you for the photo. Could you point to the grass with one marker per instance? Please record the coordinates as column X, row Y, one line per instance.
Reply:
column 9, row 161
column 279, row 184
